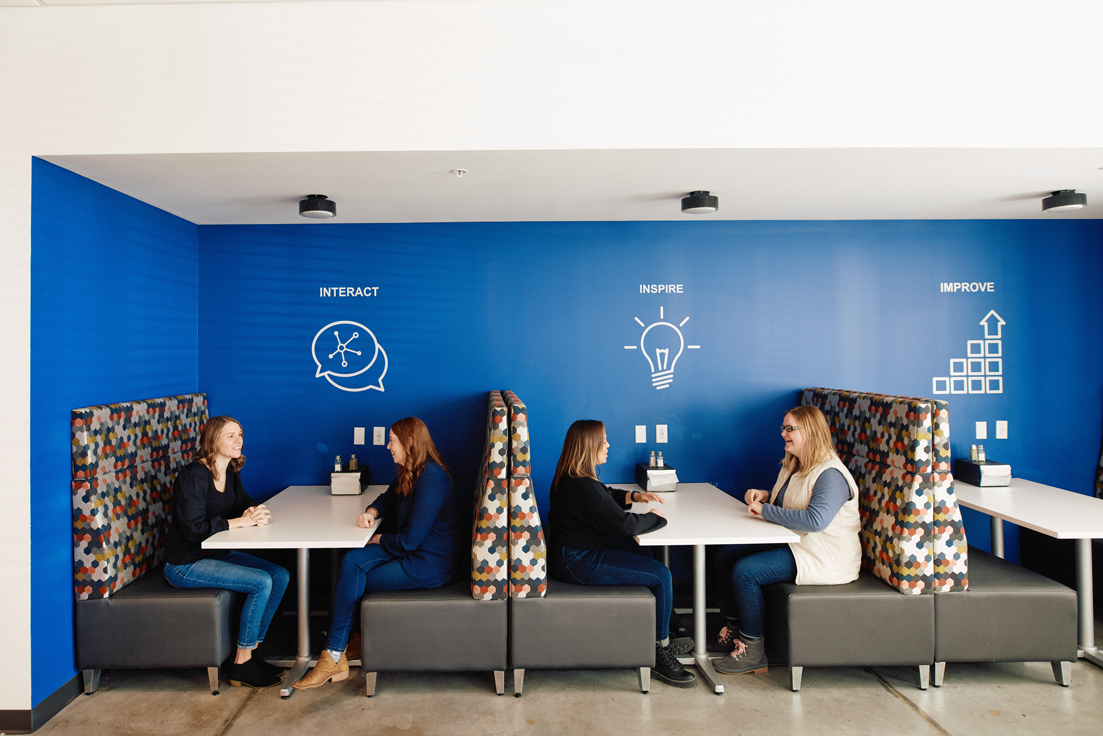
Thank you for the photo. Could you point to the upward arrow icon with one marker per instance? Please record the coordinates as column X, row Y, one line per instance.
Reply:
column 988, row 326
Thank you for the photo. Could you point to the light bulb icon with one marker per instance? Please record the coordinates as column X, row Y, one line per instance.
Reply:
column 662, row 340
column 662, row 343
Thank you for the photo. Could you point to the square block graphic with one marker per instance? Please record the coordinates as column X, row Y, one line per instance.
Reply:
column 976, row 366
column 993, row 366
column 959, row 386
column 994, row 384
column 976, row 384
column 957, row 366
column 941, row 385
column 976, row 348
column 993, row 348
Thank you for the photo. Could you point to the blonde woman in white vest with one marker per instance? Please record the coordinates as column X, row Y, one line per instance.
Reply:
column 815, row 496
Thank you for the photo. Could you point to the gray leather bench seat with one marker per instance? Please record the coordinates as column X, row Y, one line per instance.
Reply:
column 150, row 624
column 584, row 627
column 442, row 630
column 1009, row 614
column 818, row 625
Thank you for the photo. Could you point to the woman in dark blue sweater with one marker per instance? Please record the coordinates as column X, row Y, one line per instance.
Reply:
column 592, row 538
column 417, row 548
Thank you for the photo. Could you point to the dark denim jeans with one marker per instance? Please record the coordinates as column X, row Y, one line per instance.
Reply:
column 365, row 568
column 263, row 583
column 622, row 562
column 741, row 571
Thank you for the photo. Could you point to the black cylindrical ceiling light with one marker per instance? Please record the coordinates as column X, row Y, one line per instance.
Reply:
column 699, row 203
column 1064, row 200
column 317, row 207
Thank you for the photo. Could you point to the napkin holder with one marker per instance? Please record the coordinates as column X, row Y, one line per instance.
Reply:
column 349, row 482
column 983, row 473
column 656, row 480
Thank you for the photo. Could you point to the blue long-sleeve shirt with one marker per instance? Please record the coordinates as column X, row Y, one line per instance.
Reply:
column 421, row 528
column 828, row 496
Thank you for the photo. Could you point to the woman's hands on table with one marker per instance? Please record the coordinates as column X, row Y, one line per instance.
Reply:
column 754, row 499
column 366, row 519
column 254, row 516
column 645, row 497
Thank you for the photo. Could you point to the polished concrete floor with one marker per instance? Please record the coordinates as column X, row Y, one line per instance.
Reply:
column 1018, row 698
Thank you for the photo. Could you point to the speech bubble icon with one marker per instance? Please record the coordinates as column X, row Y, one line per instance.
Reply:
column 348, row 355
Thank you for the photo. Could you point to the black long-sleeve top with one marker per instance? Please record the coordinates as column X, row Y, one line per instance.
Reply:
column 200, row 510
column 585, row 514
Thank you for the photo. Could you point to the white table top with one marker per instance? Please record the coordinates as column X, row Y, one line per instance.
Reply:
column 304, row 517
column 1053, row 511
column 700, row 513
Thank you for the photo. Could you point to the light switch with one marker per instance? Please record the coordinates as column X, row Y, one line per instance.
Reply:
column 982, row 430
column 660, row 433
column 357, row 435
column 378, row 436
column 1001, row 429
column 641, row 433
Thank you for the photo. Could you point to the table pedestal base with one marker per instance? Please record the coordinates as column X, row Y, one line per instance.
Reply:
column 302, row 659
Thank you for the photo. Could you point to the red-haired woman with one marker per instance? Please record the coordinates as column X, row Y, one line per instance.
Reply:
column 419, row 548
column 207, row 497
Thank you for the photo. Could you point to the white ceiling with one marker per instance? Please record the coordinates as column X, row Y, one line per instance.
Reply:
column 612, row 185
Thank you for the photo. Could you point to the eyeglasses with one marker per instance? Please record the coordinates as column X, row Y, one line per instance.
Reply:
column 789, row 428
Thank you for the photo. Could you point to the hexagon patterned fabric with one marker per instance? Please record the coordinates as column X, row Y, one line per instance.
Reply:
column 528, row 553
column 490, row 536
column 898, row 450
column 125, row 457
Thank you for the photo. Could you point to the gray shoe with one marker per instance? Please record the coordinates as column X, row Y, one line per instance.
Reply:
column 753, row 659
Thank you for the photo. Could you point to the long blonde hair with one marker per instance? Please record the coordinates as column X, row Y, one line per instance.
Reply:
column 415, row 439
column 581, row 448
column 208, row 438
column 818, row 445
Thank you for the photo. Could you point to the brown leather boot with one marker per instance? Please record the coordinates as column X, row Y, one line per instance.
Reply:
column 325, row 671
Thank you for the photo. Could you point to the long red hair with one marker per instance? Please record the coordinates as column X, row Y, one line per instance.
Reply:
column 415, row 439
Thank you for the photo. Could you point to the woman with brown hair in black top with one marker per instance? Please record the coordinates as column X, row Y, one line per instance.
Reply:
column 592, row 538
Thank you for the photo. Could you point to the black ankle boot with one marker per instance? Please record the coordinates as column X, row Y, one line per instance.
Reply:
column 668, row 669
column 265, row 666
column 249, row 674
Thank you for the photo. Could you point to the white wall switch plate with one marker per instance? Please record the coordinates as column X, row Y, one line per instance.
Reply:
column 641, row 433
column 660, row 433
column 378, row 437
column 357, row 435
column 982, row 430
column 1001, row 429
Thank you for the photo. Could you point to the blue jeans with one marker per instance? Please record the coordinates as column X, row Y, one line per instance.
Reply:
column 741, row 571
column 622, row 562
column 263, row 583
column 366, row 568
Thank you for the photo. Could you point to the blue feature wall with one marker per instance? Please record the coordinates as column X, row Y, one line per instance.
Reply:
column 113, row 318
column 247, row 314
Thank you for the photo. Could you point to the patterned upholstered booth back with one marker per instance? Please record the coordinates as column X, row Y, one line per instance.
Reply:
column 898, row 450
column 528, row 554
column 1099, row 475
column 125, row 457
column 490, row 537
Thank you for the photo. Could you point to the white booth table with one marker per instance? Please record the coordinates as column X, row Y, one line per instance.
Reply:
column 1056, row 513
column 699, row 514
column 304, row 518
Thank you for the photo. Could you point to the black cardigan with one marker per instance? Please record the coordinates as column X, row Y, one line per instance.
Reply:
column 200, row 510
column 585, row 514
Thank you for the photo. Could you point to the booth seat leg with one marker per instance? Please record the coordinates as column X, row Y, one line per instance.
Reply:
column 369, row 684
column 91, row 681
column 500, row 681
column 645, row 679
column 923, row 676
column 518, row 682
column 939, row 673
column 212, row 678
column 794, row 678
column 1062, row 672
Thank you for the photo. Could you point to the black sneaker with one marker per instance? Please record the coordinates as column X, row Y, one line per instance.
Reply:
column 668, row 669
column 249, row 674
